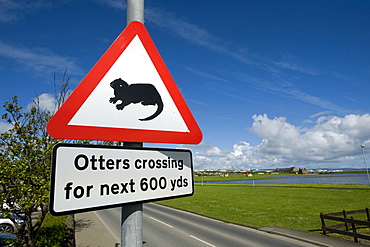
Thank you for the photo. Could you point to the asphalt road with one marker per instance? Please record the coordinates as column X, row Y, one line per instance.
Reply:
column 167, row 227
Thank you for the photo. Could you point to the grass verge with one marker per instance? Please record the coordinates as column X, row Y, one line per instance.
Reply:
column 297, row 208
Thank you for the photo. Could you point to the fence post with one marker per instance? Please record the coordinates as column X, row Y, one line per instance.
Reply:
column 346, row 223
column 367, row 214
column 354, row 230
column 322, row 224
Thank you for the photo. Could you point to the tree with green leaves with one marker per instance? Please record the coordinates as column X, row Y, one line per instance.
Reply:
column 25, row 163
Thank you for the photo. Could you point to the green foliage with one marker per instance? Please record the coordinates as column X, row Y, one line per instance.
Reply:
column 52, row 232
column 25, row 156
column 25, row 162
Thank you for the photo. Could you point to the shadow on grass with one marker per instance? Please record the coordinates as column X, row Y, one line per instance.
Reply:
column 319, row 230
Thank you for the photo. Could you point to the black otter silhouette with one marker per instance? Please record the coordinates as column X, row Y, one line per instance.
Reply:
column 146, row 94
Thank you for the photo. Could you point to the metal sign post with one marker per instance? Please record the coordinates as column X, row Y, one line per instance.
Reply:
column 132, row 215
column 135, row 11
column 90, row 177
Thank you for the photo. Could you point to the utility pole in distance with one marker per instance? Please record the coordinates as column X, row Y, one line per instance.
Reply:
column 132, row 215
column 367, row 170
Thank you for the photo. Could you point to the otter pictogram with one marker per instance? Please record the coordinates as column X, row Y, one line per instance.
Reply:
column 146, row 94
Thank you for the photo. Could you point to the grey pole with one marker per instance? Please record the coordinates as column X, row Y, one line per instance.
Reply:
column 135, row 11
column 132, row 215
column 367, row 170
column 132, row 218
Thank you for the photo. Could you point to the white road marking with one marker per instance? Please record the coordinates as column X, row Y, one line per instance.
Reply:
column 161, row 222
column 202, row 241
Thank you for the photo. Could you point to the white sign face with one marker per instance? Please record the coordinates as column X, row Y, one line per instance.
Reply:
column 134, row 66
column 91, row 177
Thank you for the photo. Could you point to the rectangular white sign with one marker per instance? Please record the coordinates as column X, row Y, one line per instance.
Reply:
column 91, row 177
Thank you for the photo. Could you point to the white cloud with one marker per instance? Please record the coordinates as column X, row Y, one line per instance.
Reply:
column 198, row 35
column 206, row 75
column 4, row 127
column 290, row 92
column 13, row 10
column 332, row 139
column 215, row 152
column 319, row 114
column 38, row 60
column 182, row 29
column 46, row 102
column 291, row 63
column 354, row 127
column 116, row 4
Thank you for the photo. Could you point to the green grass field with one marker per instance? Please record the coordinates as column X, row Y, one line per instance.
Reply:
column 297, row 208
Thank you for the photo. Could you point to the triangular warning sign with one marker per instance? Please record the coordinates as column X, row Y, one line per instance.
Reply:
column 129, row 95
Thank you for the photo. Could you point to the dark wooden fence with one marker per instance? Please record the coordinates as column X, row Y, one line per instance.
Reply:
column 350, row 225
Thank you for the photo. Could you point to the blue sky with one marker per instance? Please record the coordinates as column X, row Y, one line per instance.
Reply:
column 270, row 83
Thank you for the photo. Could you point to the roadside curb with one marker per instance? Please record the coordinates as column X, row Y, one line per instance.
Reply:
column 309, row 237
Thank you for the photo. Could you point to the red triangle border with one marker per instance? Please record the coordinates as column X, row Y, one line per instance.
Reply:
column 58, row 126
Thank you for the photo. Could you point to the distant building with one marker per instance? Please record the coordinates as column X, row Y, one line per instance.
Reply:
column 302, row 171
column 290, row 170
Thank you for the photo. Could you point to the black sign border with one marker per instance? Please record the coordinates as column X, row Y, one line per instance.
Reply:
column 53, row 170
